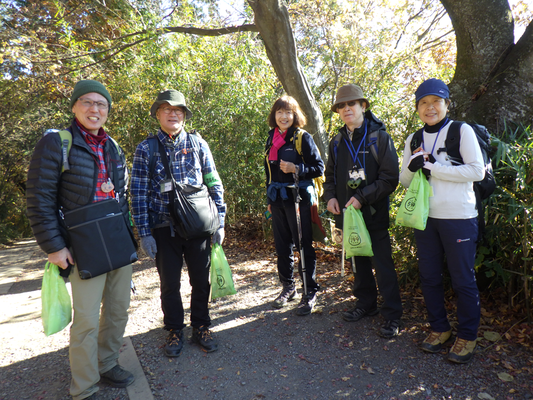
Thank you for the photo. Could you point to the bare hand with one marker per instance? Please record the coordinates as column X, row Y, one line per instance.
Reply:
column 269, row 208
column 60, row 258
column 354, row 202
column 333, row 206
column 287, row 167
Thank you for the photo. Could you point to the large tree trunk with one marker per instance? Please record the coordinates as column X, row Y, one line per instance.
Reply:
column 493, row 79
column 272, row 20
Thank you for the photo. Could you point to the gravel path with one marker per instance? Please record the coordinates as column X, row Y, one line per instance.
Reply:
column 263, row 353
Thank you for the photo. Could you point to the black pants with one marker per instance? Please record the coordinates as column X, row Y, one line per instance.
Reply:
column 285, row 231
column 169, row 260
column 365, row 285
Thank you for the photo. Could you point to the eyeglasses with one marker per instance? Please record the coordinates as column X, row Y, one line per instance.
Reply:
column 101, row 105
column 340, row 106
column 168, row 111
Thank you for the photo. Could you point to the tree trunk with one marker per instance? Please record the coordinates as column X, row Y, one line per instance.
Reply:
column 493, row 79
column 272, row 20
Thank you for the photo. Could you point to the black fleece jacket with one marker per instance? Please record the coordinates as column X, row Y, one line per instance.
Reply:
column 382, row 175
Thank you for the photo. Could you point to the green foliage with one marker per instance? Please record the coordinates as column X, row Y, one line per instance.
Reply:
column 506, row 252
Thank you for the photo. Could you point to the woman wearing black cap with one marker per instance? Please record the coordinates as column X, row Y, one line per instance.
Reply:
column 452, row 227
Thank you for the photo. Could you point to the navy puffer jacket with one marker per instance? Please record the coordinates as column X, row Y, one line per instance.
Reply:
column 48, row 189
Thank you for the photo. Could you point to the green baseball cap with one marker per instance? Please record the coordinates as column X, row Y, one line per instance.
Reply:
column 173, row 98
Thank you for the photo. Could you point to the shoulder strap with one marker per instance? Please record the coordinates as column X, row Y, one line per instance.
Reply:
column 153, row 151
column 66, row 143
column 298, row 134
column 373, row 143
column 452, row 142
column 417, row 140
column 195, row 141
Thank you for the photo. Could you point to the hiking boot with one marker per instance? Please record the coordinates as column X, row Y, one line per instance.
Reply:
column 306, row 304
column 118, row 377
column 174, row 343
column 286, row 295
column 462, row 351
column 356, row 313
column 433, row 343
column 390, row 329
column 204, row 338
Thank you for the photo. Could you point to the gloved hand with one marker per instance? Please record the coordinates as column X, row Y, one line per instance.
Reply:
column 218, row 237
column 428, row 165
column 149, row 246
column 416, row 162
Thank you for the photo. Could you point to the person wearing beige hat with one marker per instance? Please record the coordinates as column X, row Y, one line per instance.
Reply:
column 362, row 170
column 192, row 163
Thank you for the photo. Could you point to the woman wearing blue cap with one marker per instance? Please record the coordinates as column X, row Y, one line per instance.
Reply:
column 452, row 228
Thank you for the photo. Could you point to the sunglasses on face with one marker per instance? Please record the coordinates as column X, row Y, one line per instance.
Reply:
column 340, row 106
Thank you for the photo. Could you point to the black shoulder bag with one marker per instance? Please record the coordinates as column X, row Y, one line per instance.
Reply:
column 192, row 210
column 100, row 236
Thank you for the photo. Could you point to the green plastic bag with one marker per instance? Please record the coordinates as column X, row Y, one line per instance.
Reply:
column 414, row 210
column 355, row 235
column 56, row 307
column 221, row 278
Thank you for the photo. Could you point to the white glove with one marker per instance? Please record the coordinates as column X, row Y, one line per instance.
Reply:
column 149, row 246
column 218, row 237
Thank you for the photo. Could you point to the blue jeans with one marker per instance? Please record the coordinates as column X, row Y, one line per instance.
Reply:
column 455, row 239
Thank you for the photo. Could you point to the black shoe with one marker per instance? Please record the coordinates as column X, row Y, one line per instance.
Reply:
column 286, row 295
column 118, row 377
column 174, row 343
column 355, row 314
column 204, row 338
column 306, row 304
column 391, row 328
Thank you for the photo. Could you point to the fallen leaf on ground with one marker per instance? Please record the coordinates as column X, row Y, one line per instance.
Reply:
column 492, row 336
column 504, row 376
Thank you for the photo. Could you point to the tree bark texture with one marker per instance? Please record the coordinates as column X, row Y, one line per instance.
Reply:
column 272, row 20
column 493, row 80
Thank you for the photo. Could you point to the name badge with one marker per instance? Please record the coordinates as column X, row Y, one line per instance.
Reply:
column 357, row 174
column 166, row 186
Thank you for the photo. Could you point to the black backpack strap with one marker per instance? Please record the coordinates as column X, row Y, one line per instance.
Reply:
column 452, row 142
column 417, row 140
column 373, row 143
column 153, row 152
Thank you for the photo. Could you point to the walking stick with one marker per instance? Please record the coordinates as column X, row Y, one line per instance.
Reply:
column 297, row 199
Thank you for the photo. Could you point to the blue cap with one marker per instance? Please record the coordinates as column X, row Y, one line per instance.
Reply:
column 434, row 87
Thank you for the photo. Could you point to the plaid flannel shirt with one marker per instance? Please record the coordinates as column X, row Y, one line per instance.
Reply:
column 188, row 168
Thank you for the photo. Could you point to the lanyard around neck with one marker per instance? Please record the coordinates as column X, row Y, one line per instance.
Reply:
column 437, row 138
column 352, row 151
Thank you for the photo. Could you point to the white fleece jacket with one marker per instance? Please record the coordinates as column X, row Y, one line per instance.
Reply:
column 453, row 193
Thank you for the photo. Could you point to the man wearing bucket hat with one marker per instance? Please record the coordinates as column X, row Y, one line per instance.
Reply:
column 101, row 303
column 362, row 170
column 190, row 165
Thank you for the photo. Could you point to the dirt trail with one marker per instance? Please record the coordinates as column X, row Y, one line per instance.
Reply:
column 263, row 353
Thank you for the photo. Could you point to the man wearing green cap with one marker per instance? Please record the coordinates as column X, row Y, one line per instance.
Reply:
column 93, row 160
column 191, row 163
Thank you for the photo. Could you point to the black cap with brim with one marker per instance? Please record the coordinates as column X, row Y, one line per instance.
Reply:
column 173, row 98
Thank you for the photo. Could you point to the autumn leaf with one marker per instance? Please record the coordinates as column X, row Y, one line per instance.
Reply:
column 492, row 336
column 504, row 376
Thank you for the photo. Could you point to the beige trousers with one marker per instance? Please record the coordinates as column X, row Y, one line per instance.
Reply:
column 96, row 336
